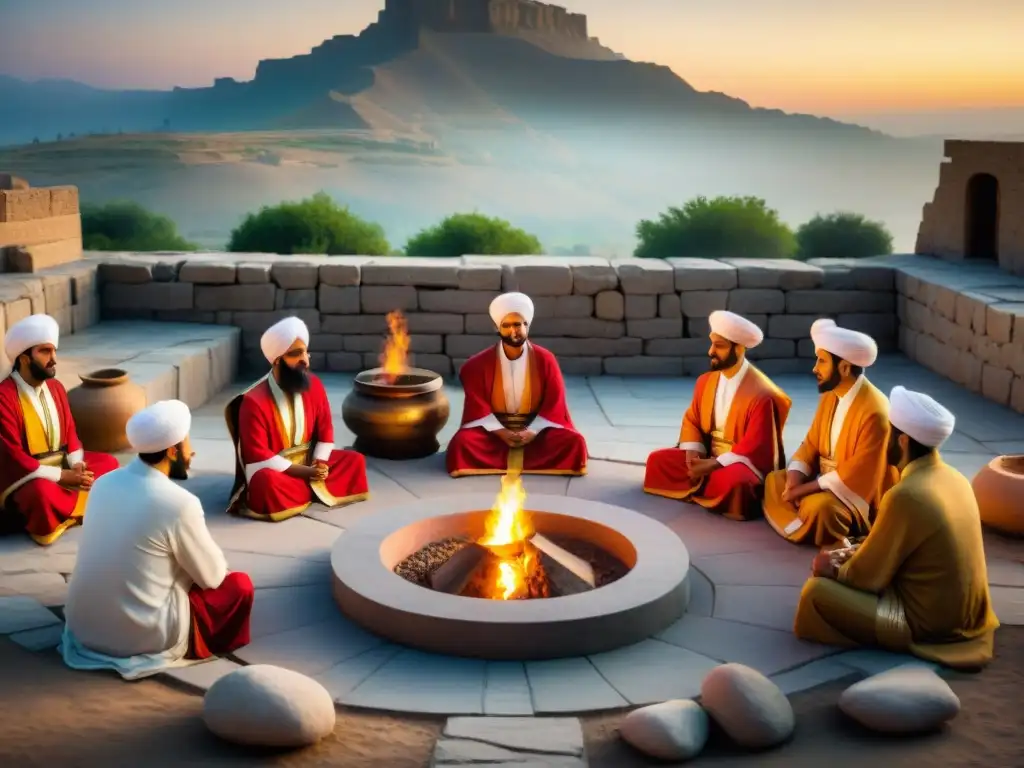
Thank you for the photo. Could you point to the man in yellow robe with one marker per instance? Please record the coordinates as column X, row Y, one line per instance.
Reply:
column 918, row 582
column 731, row 435
column 839, row 472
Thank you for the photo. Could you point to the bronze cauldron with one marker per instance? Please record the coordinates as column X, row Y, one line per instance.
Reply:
column 399, row 420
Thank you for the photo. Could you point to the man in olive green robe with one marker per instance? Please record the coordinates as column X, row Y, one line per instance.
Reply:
column 918, row 583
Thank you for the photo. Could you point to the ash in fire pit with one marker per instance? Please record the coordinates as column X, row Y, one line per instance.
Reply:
column 511, row 561
column 395, row 411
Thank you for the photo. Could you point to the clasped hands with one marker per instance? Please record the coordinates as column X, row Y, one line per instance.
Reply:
column 516, row 439
column 796, row 487
column 696, row 467
column 78, row 477
column 317, row 472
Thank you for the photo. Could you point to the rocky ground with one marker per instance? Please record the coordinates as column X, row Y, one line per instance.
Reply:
column 50, row 715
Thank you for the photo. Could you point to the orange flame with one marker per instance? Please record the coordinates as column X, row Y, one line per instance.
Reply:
column 506, row 526
column 394, row 360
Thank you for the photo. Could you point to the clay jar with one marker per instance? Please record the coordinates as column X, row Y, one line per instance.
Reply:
column 101, row 407
column 999, row 488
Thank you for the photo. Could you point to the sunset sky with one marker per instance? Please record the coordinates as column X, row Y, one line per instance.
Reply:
column 819, row 56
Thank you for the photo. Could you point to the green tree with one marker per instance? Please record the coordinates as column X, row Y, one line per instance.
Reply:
column 842, row 235
column 472, row 233
column 716, row 228
column 127, row 226
column 314, row 225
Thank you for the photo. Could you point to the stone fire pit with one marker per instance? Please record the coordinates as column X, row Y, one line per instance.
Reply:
column 396, row 417
column 612, row 577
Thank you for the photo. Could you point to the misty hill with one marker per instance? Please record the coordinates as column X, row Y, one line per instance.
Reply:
column 424, row 67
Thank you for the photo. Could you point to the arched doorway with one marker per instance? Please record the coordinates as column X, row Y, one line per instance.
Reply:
column 981, row 231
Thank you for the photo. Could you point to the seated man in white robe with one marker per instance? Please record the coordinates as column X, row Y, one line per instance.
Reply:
column 151, row 588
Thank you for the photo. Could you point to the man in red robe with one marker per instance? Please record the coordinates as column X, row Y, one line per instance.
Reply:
column 45, row 474
column 731, row 436
column 515, row 418
column 283, row 435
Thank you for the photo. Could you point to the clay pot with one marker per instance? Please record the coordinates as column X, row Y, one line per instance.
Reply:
column 399, row 420
column 999, row 488
column 101, row 407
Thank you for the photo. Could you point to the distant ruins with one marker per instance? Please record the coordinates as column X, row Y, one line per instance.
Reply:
column 978, row 209
column 401, row 23
column 475, row 16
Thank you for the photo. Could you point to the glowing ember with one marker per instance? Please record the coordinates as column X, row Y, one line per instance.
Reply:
column 507, row 532
column 394, row 360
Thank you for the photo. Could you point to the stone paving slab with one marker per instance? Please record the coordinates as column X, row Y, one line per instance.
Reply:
column 744, row 580
column 653, row 671
column 202, row 676
column 506, row 689
column 517, row 741
column 41, row 638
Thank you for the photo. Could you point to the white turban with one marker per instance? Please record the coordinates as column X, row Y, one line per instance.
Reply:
column 920, row 416
column 281, row 335
column 30, row 332
column 159, row 426
column 736, row 329
column 507, row 303
column 854, row 347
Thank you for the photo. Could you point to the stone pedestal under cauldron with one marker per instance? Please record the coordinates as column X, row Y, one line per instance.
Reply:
column 399, row 417
column 101, row 407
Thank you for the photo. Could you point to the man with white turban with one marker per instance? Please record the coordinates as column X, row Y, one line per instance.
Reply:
column 731, row 435
column 918, row 582
column 45, row 474
column 515, row 418
column 151, row 588
column 839, row 472
column 283, row 434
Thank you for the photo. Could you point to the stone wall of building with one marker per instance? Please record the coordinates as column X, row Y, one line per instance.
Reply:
column 39, row 227
column 631, row 316
column 946, row 220
column 965, row 322
column 69, row 293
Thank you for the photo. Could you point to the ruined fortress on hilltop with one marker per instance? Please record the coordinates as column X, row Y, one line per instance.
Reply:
column 476, row 16
column 401, row 24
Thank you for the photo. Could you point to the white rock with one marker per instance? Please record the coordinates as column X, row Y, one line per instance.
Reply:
column 751, row 709
column 672, row 730
column 907, row 699
column 268, row 706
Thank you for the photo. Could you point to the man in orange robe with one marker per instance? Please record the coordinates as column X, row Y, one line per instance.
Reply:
column 732, row 432
column 840, row 471
column 45, row 474
column 515, row 418
column 283, row 435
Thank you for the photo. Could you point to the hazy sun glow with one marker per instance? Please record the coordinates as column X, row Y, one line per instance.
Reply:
column 821, row 56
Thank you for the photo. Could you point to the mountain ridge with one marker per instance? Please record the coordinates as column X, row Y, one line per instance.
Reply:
column 531, row 60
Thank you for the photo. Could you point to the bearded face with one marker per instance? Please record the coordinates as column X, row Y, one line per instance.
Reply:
column 514, row 330
column 293, row 375
column 42, row 362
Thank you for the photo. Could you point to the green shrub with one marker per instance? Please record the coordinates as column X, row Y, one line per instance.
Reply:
column 842, row 235
column 472, row 233
column 314, row 225
column 716, row 228
column 127, row 226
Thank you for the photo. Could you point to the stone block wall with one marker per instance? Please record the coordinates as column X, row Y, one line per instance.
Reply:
column 69, row 293
column 619, row 317
column 965, row 322
column 40, row 228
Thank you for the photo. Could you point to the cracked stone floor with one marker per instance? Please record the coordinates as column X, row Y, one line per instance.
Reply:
column 744, row 588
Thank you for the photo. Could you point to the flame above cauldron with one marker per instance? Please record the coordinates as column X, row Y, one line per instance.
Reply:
column 394, row 360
